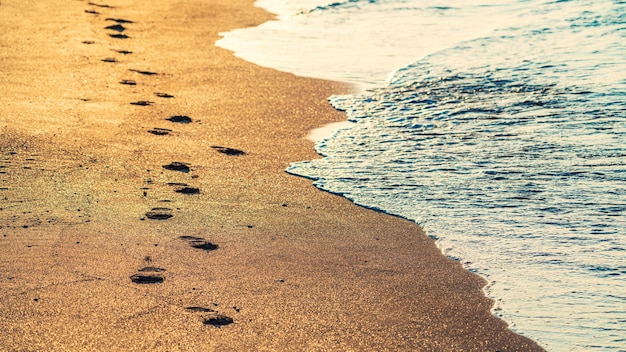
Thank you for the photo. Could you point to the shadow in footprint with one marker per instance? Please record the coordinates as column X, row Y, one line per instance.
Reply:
column 116, row 27
column 229, row 151
column 160, row 131
column 146, row 279
column 147, row 73
column 199, row 243
column 163, row 95
column 88, row 42
column 109, row 59
column 118, row 20
column 128, row 82
column 218, row 321
column 177, row 166
column 142, row 103
column 179, row 119
column 188, row 190
column 123, row 52
column 92, row 12
column 119, row 36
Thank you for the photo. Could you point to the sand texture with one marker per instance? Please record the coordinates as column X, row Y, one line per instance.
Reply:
column 144, row 204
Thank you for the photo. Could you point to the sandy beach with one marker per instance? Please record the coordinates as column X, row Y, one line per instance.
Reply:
column 144, row 204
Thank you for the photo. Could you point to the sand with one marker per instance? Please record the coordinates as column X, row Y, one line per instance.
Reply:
column 144, row 204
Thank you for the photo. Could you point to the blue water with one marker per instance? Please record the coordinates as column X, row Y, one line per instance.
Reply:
column 501, row 130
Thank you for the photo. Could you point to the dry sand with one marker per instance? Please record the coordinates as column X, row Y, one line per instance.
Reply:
column 87, row 206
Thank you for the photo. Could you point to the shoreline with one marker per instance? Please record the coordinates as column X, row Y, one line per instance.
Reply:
column 125, row 226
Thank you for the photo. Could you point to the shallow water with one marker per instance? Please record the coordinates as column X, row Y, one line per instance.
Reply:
column 360, row 42
column 506, row 142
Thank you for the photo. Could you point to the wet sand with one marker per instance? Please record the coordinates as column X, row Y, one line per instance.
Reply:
column 144, row 203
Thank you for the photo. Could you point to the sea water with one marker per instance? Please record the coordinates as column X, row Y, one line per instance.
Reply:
column 498, row 126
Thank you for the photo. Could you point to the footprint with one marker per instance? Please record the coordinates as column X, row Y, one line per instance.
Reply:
column 151, row 269
column 163, row 95
column 147, row 279
column 123, row 52
column 229, row 151
column 160, row 131
column 201, row 309
column 116, row 27
column 188, row 190
column 159, row 214
column 128, row 82
column 218, row 321
column 180, row 119
column 100, row 5
column 177, row 166
column 214, row 318
column 142, row 103
column 119, row 36
column 147, row 73
column 109, row 59
column 118, row 20
column 199, row 243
